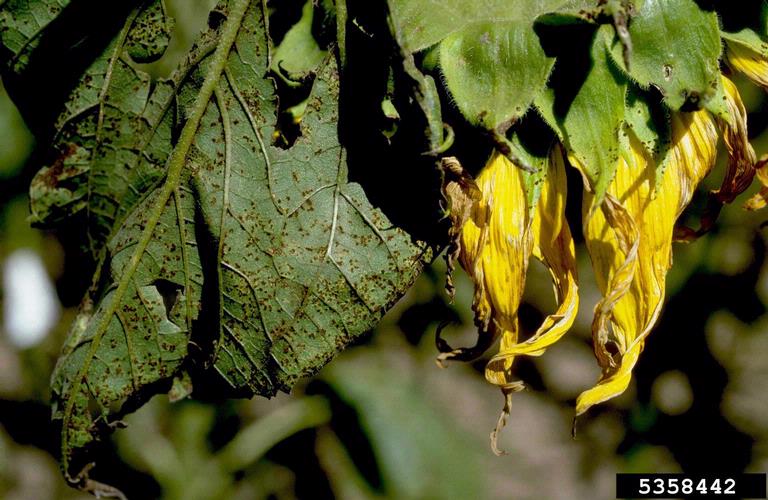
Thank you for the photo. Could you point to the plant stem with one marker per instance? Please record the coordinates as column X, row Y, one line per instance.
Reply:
column 175, row 168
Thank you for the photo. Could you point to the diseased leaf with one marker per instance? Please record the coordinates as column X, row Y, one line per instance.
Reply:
column 150, row 35
column 676, row 49
column 227, row 261
column 22, row 24
column 111, row 139
column 494, row 70
column 589, row 132
column 138, row 333
column 47, row 46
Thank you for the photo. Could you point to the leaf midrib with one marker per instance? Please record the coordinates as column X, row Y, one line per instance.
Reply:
column 175, row 168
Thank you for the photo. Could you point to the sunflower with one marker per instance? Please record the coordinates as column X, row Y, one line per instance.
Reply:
column 628, row 235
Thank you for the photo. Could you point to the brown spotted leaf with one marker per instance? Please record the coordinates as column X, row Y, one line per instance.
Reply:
column 228, row 261
column 110, row 136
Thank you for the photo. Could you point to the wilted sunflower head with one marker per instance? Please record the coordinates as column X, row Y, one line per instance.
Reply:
column 642, row 134
column 629, row 240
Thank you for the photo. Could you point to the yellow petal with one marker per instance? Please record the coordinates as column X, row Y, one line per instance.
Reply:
column 494, row 250
column 632, row 315
column 496, row 243
column 760, row 200
column 747, row 61
column 615, row 280
column 741, row 157
column 553, row 246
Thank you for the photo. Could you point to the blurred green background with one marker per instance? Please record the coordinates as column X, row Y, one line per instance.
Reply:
column 382, row 420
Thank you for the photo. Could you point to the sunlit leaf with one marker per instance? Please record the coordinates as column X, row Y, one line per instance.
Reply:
column 589, row 132
column 676, row 49
column 494, row 71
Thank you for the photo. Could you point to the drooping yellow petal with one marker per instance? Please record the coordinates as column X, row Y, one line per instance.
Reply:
column 495, row 246
column 760, row 200
column 747, row 61
column 616, row 281
column 553, row 246
column 740, row 168
column 635, row 312
column 496, row 243
column 494, row 250
column 741, row 157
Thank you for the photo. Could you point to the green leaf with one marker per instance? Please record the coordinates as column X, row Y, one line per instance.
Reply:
column 494, row 71
column 228, row 261
column 298, row 54
column 589, row 131
column 676, row 49
column 419, row 24
column 110, row 140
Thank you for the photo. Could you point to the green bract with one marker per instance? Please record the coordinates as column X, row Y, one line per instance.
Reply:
column 747, row 38
column 589, row 131
column 494, row 70
column 649, row 121
column 682, row 62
